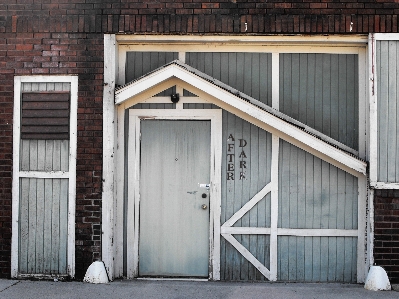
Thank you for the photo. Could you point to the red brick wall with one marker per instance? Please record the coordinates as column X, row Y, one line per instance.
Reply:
column 66, row 37
column 57, row 53
column 193, row 16
column 386, row 232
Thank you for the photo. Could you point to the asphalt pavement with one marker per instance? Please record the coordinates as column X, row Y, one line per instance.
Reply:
column 185, row 289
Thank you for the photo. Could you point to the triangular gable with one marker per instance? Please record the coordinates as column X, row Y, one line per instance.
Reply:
column 249, row 109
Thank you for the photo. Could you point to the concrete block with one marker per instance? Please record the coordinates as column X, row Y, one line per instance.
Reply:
column 96, row 273
column 377, row 280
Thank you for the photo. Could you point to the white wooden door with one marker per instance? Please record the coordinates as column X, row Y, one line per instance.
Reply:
column 174, row 208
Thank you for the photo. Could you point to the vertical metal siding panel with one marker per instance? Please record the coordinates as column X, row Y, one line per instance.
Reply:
column 64, row 153
column 383, row 96
column 313, row 194
column 343, row 108
column 247, row 72
column 302, row 89
column 315, row 87
column 33, row 155
column 334, row 89
column 48, row 199
column 282, row 258
column 253, row 173
column 23, row 226
column 57, row 155
column 292, row 262
column 40, row 210
column 63, row 227
column 294, row 85
column 55, row 215
column 238, row 259
column 236, row 193
column 224, row 190
column 41, row 150
column 246, row 195
column 24, row 156
column 326, row 93
column 32, row 226
column 352, row 96
column 392, row 112
column 229, row 208
column 255, row 77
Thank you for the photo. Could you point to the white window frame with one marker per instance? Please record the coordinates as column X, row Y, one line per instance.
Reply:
column 215, row 117
column 373, row 91
column 70, row 175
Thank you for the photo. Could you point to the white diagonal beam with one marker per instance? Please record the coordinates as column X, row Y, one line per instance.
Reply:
column 245, row 253
column 249, row 205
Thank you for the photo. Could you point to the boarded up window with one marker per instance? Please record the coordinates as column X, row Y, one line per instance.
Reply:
column 45, row 115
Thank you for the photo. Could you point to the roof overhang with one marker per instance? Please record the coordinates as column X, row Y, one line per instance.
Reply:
column 177, row 73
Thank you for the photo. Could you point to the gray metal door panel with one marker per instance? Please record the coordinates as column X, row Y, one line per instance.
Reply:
column 174, row 228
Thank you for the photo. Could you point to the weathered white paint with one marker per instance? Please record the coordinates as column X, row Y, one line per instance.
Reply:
column 274, row 124
column 245, row 230
column 362, row 262
column 373, row 143
column 96, row 273
column 215, row 117
column 44, row 174
column 276, row 81
column 249, row 205
column 70, row 174
column 109, row 142
column 298, row 44
column 274, row 208
column 15, row 181
column 377, row 280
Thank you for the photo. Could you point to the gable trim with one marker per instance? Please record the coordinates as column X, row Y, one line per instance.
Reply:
column 237, row 105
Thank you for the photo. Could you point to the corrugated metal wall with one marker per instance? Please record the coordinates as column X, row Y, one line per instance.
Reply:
column 315, row 194
column 43, row 205
column 321, row 91
column 387, row 54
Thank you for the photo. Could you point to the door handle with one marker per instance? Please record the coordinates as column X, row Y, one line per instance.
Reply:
column 206, row 186
column 204, row 206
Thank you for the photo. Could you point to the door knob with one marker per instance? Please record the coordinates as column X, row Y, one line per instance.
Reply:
column 204, row 206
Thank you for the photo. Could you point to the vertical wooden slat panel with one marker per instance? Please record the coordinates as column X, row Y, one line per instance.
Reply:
column 39, row 219
column 314, row 194
column 23, row 226
column 63, row 227
column 308, row 256
column 313, row 91
column 57, row 156
column 141, row 63
column 248, row 72
column 388, row 120
column 55, row 226
column 40, row 229
column 64, row 154
column 32, row 226
column 24, row 157
column 47, row 228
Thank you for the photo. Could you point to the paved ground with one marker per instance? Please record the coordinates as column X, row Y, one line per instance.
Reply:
column 184, row 289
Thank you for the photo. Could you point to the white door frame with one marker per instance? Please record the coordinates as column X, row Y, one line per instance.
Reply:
column 133, row 193
column 70, row 175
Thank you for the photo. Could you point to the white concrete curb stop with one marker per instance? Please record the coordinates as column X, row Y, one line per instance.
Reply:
column 377, row 280
column 96, row 273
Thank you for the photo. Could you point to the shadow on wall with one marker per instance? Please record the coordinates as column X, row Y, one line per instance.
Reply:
column 83, row 260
